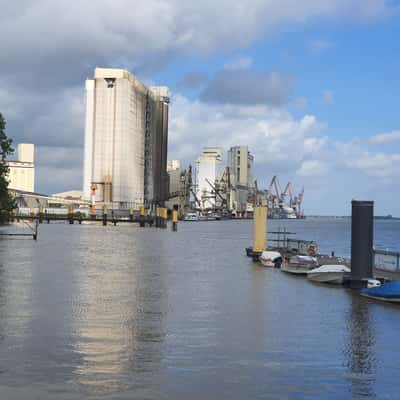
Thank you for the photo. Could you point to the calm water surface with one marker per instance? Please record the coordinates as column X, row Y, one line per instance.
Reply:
column 129, row 313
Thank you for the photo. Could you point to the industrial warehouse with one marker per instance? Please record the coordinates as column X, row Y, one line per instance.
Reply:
column 216, row 190
column 126, row 138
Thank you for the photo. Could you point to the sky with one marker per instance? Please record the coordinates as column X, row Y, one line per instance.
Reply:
column 312, row 87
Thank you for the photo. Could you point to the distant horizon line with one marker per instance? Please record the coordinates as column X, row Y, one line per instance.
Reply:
column 385, row 217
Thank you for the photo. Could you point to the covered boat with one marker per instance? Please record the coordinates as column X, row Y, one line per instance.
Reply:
column 271, row 259
column 300, row 264
column 333, row 274
column 387, row 292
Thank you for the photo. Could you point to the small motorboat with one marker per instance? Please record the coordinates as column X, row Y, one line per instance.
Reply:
column 191, row 217
column 271, row 259
column 300, row 265
column 333, row 274
column 387, row 292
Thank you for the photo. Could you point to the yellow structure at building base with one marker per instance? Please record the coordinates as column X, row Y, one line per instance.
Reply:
column 175, row 220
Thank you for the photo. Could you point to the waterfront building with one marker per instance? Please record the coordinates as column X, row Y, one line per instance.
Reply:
column 241, row 166
column 209, row 168
column 126, row 135
column 174, row 174
column 173, row 165
column 21, row 174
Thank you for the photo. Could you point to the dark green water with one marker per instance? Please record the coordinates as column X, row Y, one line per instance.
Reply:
column 129, row 313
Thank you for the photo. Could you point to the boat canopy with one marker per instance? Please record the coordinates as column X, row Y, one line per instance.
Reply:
column 273, row 255
column 303, row 260
column 330, row 268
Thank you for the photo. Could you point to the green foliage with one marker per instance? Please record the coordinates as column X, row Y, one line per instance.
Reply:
column 6, row 202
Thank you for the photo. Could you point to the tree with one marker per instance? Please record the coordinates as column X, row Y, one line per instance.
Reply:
column 6, row 201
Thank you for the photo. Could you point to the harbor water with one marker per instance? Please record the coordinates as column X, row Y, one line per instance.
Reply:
column 137, row 313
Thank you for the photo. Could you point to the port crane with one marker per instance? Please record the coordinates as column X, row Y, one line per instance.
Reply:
column 277, row 198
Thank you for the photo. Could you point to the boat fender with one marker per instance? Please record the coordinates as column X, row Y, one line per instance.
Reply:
column 312, row 249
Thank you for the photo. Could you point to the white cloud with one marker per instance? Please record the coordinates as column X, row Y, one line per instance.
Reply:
column 328, row 97
column 273, row 135
column 381, row 165
column 312, row 168
column 387, row 137
column 119, row 31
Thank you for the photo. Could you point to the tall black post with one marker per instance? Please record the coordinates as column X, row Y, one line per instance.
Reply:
column 362, row 232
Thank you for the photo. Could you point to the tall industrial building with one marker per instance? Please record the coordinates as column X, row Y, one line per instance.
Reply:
column 21, row 174
column 209, row 168
column 126, row 137
column 241, row 164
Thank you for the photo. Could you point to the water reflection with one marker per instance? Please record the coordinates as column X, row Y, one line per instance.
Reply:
column 15, row 287
column 360, row 352
column 118, row 316
column 15, row 302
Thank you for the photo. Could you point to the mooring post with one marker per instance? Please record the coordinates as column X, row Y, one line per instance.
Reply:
column 157, row 217
column 259, row 230
column 40, row 214
column 150, row 217
column 163, row 217
column 175, row 219
column 104, row 215
column 71, row 214
column 35, row 233
column 362, row 231
column 141, row 217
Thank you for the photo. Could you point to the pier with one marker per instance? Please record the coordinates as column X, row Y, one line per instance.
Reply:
column 365, row 262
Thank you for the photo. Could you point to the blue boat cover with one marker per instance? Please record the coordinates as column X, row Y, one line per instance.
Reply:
column 389, row 290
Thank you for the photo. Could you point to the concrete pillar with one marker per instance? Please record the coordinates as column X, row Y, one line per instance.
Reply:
column 362, row 233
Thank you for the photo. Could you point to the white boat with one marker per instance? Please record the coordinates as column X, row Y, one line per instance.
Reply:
column 271, row 259
column 333, row 274
column 191, row 217
column 300, row 265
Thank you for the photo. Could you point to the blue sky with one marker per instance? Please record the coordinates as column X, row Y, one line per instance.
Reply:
column 312, row 87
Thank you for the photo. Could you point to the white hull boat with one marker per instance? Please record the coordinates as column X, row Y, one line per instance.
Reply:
column 300, row 265
column 296, row 269
column 271, row 259
column 333, row 274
